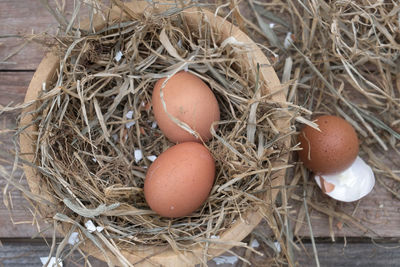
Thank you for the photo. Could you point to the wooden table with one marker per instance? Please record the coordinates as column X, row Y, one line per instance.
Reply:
column 379, row 211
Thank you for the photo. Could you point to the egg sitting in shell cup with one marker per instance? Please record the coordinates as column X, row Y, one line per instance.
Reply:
column 332, row 154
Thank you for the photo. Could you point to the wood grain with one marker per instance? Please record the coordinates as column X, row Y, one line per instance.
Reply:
column 18, row 223
column 378, row 211
column 28, row 252
column 21, row 252
column 13, row 87
column 352, row 254
column 22, row 18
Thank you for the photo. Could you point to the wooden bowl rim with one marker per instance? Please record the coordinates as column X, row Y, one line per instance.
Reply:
column 46, row 72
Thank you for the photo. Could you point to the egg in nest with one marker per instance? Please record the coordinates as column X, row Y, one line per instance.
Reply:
column 185, row 99
column 179, row 181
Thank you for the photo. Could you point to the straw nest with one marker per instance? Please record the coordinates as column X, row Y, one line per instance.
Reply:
column 97, row 133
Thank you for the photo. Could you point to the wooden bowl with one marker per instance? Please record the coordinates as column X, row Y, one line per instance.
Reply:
column 142, row 255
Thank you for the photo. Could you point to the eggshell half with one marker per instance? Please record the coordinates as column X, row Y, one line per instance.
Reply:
column 350, row 185
column 189, row 100
column 179, row 180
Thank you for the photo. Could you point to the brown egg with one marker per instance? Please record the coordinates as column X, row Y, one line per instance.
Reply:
column 331, row 150
column 191, row 101
column 179, row 180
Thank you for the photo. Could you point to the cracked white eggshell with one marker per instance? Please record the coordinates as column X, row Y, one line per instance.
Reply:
column 352, row 184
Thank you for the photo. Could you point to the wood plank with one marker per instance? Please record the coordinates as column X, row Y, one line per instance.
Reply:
column 18, row 223
column 22, row 18
column 13, row 86
column 28, row 252
column 19, row 252
column 378, row 211
column 351, row 254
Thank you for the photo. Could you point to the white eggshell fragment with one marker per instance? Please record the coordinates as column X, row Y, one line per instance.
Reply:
column 225, row 260
column 152, row 158
column 73, row 238
column 352, row 184
column 118, row 56
column 53, row 262
column 90, row 226
column 138, row 155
